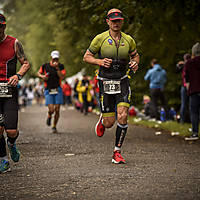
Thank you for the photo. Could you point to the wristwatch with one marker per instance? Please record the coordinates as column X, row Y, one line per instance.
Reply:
column 19, row 76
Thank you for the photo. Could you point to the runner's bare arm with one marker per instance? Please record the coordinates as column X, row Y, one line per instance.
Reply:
column 13, row 80
column 89, row 58
column 22, row 58
column 134, row 60
column 42, row 76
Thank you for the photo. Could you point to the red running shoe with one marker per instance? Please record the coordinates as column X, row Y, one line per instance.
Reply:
column 117, row 158
column 99, row 128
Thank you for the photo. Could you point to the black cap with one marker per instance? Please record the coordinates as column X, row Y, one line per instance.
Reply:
column 115, row 16
column 2, row 19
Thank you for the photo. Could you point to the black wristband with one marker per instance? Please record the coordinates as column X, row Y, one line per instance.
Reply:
column 19, row 76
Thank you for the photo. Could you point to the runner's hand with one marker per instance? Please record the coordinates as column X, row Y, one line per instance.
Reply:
column 106, row 62
column 181, row 62
column 133, row 65
column 55, row 64
column 44, row 77
column 13, row 80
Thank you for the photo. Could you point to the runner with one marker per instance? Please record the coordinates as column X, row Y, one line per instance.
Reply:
column 117, row 51
column 11, row 50
column 53, row 73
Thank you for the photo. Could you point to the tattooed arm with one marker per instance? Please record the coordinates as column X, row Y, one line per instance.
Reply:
column 24, row 62
column 22, row 58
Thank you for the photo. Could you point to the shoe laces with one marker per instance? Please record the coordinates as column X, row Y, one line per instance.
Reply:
column 4, row 162
column 101, row 126
column 13, row 148
column 117, row 154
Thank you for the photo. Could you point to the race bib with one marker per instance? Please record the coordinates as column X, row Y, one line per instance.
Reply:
column 5, row 90
column 53, row 91
column 112, row 87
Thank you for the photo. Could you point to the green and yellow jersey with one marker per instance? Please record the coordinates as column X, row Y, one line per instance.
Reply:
column 105, row 46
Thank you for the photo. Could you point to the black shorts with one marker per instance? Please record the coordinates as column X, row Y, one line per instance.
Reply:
column 9, row 110
column 110, row 102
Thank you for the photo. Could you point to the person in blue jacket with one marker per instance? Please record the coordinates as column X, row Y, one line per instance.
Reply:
column 157, row 78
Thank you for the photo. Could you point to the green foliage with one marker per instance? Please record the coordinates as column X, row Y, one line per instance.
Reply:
column 162, row 29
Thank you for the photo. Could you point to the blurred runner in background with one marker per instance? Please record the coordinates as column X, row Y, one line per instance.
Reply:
column 53, row 73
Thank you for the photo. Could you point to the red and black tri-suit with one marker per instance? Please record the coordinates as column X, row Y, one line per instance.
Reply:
column 8, row 63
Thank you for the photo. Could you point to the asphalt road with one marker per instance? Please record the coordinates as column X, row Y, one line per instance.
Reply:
column 75, row 164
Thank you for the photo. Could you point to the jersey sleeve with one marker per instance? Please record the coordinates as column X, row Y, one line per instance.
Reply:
column 62, row 69
column 41, row 70
column 95, row 44
column 132, row 45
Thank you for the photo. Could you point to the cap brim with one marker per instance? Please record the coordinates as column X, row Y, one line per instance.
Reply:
column 120, row 18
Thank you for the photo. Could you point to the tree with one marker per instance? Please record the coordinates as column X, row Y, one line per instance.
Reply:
column 162, row 29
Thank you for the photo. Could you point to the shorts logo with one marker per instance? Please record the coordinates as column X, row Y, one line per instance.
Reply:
column 123, row 44
column 110, row 41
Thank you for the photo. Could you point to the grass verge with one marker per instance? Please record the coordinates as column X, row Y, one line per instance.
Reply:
column 171, row 126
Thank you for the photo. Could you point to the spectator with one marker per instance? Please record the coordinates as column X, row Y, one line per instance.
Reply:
column 96, row 88
column 39, row 93
column 157, row 78
column 84, row 93
column 24, row 96
column 148, row 108
column 30, row 95
column 192, row 76
column 67, row 92
column 184, row 97
column 75, row 91
column 172, row 114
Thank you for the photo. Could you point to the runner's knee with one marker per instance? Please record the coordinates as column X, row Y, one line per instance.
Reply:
column 12, row 133
column 57, row 113
column 51, row 110
column 57, row 109
column 122, row 117
column 1, row 130
column 108, row 122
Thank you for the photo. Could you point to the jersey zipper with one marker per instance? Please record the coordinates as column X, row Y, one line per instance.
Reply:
column 117, row 45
